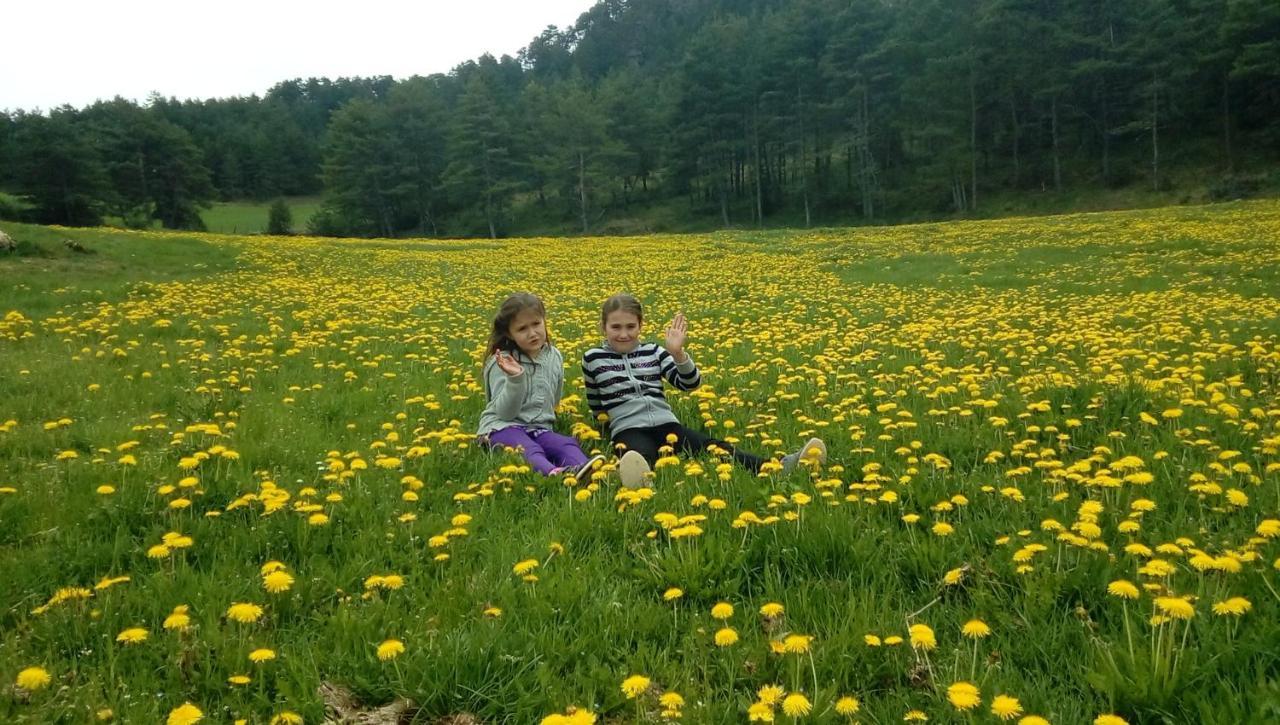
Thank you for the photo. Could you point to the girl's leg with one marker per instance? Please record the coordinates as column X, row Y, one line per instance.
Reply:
column 562, row 450
column 644, row 441
column 692, row 443
column 516, row 437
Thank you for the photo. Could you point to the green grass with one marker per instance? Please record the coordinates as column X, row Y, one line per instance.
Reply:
column 915, row 351
column 250, row 217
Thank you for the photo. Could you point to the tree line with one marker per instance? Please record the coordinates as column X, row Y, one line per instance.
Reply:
column 739, row 111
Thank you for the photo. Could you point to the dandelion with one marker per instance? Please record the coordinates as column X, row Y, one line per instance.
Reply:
column 796, row 643
column 771, row 610
column 1112, row 719
column 185, row 714
column 726, row 637
column 796, row 705
column 244, row 613
column 390, row 649
column 848, row 705
column 33, row 678
column 671, row 700
column 770, row 694
column 1235, row 606
column 634, row 686
column 964, row 696
column 1005, row 707
column 759, row 712
column 262, row 655
column 179, row 620
column 239, row 680
column 277, row 582
column 286, row 717
column 915, row 716
column 1175, row 607
column 133, row 635
column 922, row 637
column 524, row 567
column 975, row 629
column 1032, row 720
column 1122, row 589
column 722, row 611
column 672, row 594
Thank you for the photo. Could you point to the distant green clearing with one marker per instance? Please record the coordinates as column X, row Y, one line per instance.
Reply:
column 250, row 217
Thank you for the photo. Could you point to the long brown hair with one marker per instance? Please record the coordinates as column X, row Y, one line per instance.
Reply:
column 500, row 335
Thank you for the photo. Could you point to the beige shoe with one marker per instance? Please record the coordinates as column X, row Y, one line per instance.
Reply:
column 633, row 469
column 813, row 450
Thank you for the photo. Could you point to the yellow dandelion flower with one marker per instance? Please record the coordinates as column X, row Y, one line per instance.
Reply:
column 244, row 613
column 185, row 714
column 1006, row 707
column 770, row 694
column 723, row 610
column 922, row 637
column 964, row 696
column 848, row 705
column 133, row 635
column 33, row 678
column 1175, row 607
column 634, row 686
column 277, row 582
column 796, row 705
column 1235, row 606
column 390, row 649
column 262, row 655
column 726, row 637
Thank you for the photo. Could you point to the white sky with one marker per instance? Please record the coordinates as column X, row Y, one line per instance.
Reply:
column 78, row 51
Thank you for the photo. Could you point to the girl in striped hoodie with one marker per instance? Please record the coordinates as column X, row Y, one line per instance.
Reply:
column 624, row 378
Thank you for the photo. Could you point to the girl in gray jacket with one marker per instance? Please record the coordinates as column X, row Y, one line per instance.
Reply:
column 523, row 382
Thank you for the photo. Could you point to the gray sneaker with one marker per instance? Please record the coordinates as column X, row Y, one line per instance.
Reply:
column 813, row 449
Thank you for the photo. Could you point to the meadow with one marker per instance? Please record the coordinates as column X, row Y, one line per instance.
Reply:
column 236, row 472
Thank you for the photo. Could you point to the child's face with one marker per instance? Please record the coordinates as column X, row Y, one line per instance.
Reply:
column 622, row 330
column 529, row 330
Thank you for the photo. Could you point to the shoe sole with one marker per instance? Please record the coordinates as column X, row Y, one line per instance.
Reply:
column 632, row 468
column 811, row 445
column 583, row 472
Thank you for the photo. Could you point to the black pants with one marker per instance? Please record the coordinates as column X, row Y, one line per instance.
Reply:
column 647, row 441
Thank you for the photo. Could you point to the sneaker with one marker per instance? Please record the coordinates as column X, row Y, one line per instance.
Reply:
column 583, row 473
column 813, row 449
column 632, row 468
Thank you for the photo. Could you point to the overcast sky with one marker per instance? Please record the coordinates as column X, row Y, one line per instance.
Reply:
column 78, row 51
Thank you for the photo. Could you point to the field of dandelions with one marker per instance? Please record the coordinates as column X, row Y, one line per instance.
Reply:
column 237, row 475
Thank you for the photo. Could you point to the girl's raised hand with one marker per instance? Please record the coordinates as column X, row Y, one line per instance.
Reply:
column 677, row 332
column 508, row 364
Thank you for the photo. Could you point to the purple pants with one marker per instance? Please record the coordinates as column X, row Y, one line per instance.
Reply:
column 545, row 450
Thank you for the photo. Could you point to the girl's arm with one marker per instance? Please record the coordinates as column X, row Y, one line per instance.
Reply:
column 676, row 364
column 682, row 375
column 593, row 399
column 506, row 392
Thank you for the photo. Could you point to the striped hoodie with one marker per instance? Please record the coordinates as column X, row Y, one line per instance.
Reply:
column 629, row 386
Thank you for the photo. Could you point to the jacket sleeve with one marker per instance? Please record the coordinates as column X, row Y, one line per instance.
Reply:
column 682, row 376
column 506, row 393
column 589, row 380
